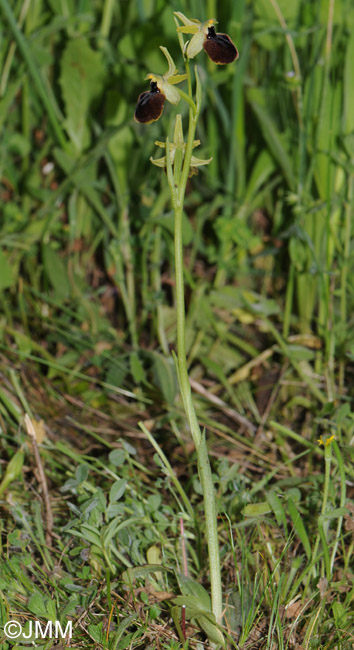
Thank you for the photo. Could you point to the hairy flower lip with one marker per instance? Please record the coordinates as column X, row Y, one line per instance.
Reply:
column 150, row 105
column 219, row 47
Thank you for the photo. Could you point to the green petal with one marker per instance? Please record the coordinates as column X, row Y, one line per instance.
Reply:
column 171, row 93
column 178, row 133
column 195, row 45
column 185, row 20
column 159, row 162
column 171, row 66
column 160, row 144
column 177, row 78
column 198, row 162
column 188, row 29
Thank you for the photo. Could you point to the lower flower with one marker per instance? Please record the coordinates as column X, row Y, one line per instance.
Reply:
column 150, row 105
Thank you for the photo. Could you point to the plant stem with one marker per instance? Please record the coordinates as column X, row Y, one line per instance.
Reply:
column 178, row 188
column 343, row 488
column 322, row 526
column 349, row 212
column 106, row 18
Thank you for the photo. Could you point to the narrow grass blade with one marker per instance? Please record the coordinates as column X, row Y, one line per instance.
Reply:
column 34, row 72
column 299, row 527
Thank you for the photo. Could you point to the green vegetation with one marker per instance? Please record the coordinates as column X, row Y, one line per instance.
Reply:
column 102, row 520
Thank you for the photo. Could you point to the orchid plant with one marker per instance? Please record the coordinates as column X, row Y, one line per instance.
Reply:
column 180, row 163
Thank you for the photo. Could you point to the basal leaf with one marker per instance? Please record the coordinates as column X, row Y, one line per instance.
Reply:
column 81, row 79
column 190, row 587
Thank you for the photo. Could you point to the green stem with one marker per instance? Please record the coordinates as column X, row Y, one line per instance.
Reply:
column 343, row 492
column 349, row 213
column 322, row 528
column 289, row 301
column 107, row 18
column 156, row 278
column 12, row 49
column 169, row 470
column 178, row 188
column 187, row 99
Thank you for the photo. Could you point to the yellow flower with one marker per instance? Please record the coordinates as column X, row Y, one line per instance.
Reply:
column 327, row 442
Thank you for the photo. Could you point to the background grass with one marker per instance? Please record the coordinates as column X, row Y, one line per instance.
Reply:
column 87, row 324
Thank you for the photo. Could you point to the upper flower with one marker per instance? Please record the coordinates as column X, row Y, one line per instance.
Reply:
column 219, row 47
column 150, row 104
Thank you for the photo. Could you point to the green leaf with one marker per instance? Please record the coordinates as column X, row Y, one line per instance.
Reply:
column 56, row 272
column 116, row 525
column 89, row 534
column 329, row 124
column 256, row 509
column 13, row 470
column 51, row 610
column 300, row 353
column 117, row 457
column 36, row 605
column 81, row 79
column 205, row 619
column 332, row 514
column 136, row 368
column 117, row 490
column 340, row 614
column 96, row 632
column 6, row 273
column 300, row 254
column 271, row 135
column 299, row 526
column 143, row 571
column 208, row 624
column 349, row 87
column 165, row 376
column 277, row 508
column 261, row 171
column 190, row 587
column 82, row 472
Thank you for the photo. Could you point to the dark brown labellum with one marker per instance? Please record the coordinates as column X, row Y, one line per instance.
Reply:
column 219, row 47
column 150, row 105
